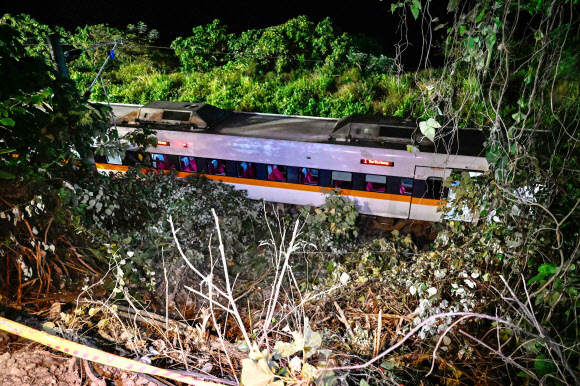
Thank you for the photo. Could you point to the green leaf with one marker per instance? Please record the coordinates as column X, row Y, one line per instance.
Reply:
column 7, row 122
column 490, row 42
column 428, row 128
column 471, row 44
column 521, row 374
column 388, row 365
column 549, row 269
column 552, row 298
column 412, row 149
column 480, row 15
column 417, row 4
column 513, row 148
column 326, row 378
column 18, row 109
column 6, row 176
column 97, row 254
column 542, row 368
column 37, row 99
column 4, row 151
column 415, row 11
column 46, row 93
column 518, row 116
column 492, row 155
column 531, row 347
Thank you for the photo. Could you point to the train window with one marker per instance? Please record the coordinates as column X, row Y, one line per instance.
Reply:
column 246, row 170
column 434, row 187
column 132, row 158
column 277, row 173
column 454, row 181
column 183, row 116
column 216, row 167
column 308, row 176
column 375, row 183
column 187, row 164
column 100, row 159
column 162, row 161
column 342, row 180
column 406, row 186
column 114, row 159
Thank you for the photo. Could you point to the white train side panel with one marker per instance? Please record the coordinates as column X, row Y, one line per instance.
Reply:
column 329, row 156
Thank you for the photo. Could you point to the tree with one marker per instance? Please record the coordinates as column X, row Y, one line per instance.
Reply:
column 44, row 119
column 508, row 69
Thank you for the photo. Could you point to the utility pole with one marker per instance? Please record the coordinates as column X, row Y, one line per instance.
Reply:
column 59, row 61
column 57, row 55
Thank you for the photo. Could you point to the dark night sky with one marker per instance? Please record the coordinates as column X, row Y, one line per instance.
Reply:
column 172, row 19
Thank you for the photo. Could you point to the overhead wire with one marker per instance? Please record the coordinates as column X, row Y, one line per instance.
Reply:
column 243, row 53
column 259, row 56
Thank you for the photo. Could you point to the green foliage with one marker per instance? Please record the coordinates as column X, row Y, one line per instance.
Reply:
column 204, row 49
column 509, row 67
column 281, row 366
column 132, row 51
column 31, row 34
column 5, row 175
column 333, row 223
column 131, row 214
column 299, row 67
column 43, row 117
column 517, row 60
column 414, row 6
column 296, row 44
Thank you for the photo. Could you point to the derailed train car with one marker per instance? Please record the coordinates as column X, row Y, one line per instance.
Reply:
column 294, row 159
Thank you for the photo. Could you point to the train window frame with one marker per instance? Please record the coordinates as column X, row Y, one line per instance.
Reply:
column 114, row 159
column 403, row 187
column 220, row 161
column 313, row 172
column 464, row 213
column 99, row 158
column 192, row 161
column 171, row 165
column 249, row 164
column 430, row 190
column 343, row 177
column 277, row 167
column 378, row 179
column 134, row 157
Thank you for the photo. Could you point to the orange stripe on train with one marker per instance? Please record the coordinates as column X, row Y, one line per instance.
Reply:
column 289, row 185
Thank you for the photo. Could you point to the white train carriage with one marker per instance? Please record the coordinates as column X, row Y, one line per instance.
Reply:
column 294, row 160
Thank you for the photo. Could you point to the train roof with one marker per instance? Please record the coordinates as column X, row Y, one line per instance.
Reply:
column 357, row 129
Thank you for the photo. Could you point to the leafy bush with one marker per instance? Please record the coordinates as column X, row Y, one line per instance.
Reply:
column 44, row 118
column 132, row 211
column 332, row 225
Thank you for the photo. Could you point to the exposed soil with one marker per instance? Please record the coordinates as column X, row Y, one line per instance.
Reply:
column 30, row 364
column 34, row 366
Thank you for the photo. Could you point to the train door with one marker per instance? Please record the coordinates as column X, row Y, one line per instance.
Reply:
column 428, row 191
column 465, row 214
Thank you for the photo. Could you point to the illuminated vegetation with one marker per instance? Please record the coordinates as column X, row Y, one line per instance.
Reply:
column 318, row 288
